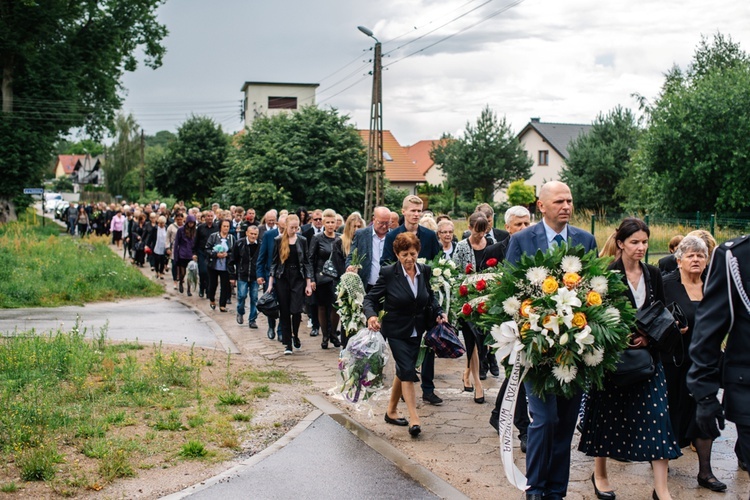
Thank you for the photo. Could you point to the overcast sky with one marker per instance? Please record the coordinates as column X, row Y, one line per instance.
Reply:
column 562, row 61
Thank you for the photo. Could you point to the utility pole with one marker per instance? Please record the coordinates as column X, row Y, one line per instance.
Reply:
column 143, row 165
column 375, row 173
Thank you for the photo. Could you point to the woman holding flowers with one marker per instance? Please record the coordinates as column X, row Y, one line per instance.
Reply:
column 632, row 422
column 404, row 294
column 324, row 286
column 472, row 255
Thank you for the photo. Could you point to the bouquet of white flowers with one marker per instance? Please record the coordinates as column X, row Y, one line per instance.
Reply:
column 350, row 295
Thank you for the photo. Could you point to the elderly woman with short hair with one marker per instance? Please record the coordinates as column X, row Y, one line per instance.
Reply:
column 403, row 292
column 446, row 237
column 685, row 287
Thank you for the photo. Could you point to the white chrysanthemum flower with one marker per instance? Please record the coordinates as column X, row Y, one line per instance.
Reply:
column 511, row 306
column 599, row 284
column 613, row 314
column 437, row 272
column 536, row 275
column 594, row 358
column 565, row 374
column 571, row 264
column 421, row 260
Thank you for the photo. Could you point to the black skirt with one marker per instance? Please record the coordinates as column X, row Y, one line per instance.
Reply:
column 405, row 353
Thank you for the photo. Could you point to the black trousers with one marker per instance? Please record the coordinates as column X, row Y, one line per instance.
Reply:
column 742, row 447
column 214, row 278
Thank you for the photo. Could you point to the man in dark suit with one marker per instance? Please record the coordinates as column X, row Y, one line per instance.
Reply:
column 263, row 266
column 269, row 222
column 554, row 418
column 369, row 243
column 412, row 210
column 725, row 308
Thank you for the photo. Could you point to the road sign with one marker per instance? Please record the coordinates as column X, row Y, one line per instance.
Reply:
column 33, row 191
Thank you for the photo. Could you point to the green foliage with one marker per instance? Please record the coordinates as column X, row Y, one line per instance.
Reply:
column 63, row 184
column 309, row 158
column 598, row 160
column 486, row 158
column 694, row 152
column 87, row 46
column 520, row 193
column 82, row 147
column 172, row 422
column 39, row 464
column 194, row 164
column 231, row 398
column 193, row 449
column 116, row 465
column 10, row 487
column 40, row 269
column 394, row 197
column 124, row 157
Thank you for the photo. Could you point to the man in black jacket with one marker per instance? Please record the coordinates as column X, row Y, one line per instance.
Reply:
column 725, row 308
column 244, row 257
column 204, row 230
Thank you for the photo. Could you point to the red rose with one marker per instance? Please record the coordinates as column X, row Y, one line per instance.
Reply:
column 482, row 308
column 468, row 268
column 491, row 262
column 466, row 309
column 481, row 285
column 463, row 290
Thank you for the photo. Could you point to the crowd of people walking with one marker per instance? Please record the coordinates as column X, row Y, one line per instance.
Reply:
column 300, row 256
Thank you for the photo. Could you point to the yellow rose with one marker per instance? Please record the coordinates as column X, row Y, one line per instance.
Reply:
column 579, row 320
column 526, row 308
column 525, row 329
column 549, row 285
column 571, row 280
column 593, row 299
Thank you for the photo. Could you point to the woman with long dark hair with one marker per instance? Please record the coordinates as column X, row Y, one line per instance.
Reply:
column 183, row 250
column 291, row 275
column 632, row 422
column 217, row 249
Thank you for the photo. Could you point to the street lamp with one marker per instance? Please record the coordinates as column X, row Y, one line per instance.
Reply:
column 375, row 173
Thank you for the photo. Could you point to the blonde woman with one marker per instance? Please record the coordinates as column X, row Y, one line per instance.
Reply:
column 324, row 286
column 290, row 275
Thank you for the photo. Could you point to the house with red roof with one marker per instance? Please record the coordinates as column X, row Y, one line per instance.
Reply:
column 66, row 165
column 400, row 169
column 419, row 152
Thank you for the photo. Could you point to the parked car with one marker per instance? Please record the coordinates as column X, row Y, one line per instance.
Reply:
column 50, row 201
column 60, row 210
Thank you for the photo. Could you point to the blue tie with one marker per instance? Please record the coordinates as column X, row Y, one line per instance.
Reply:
column 559, row 240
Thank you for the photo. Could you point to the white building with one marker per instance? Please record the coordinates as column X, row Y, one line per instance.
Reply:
column 271, row 98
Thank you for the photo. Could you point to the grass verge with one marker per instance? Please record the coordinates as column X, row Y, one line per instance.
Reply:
column 43, row 268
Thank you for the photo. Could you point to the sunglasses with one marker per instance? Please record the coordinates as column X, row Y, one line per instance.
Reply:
column 318, row 218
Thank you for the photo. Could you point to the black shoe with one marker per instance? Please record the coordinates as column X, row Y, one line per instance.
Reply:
column 604, row 495
column 712, row 483
column 396, row 421
column 494, row 369
column 432, row 398
column 495, row 422
column 297, row 343
column 522, row 438
column 482, row 374
column 200, row 294
column 182, row 287
column 324, row 344
column 742, row 465
column 414, row 430
column 654, row 495
column 314, row 332
column 335, row 341
column 240, row 319
column 189, row 294
column 271, row 334
column 252, row 324
column 479, row 401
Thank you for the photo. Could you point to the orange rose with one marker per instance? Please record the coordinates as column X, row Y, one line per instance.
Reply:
column 579, row 320
column 525, row 329
column 593, row 299
column 571, row 280
column 526, row 308
column 549, row 285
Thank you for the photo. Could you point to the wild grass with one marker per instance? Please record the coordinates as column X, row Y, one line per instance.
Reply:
column 43, row 268
column 68, row 399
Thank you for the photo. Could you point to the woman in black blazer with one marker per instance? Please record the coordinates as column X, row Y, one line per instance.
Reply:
column 403, row 292
column 291, row 274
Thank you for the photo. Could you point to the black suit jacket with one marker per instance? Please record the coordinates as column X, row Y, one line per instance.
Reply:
column 403, row 313
column 721, row 311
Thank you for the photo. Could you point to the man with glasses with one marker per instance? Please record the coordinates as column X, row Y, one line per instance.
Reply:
column 369, row 243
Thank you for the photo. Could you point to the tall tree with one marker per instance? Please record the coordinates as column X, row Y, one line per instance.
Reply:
column 124, row 156
column 695, row 148
column 598, row 160
column 487, row 158
column 61, row 64
column 313, row 157
column 194, row 164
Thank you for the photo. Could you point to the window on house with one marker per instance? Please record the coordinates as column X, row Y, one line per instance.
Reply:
column 387, row 156
column 275, row 102
column 544, row 157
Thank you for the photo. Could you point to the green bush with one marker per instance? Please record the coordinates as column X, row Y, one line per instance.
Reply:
column 193, row 449
column 38, row 464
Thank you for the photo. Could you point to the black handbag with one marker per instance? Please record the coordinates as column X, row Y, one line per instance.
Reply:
column 635, row 366
column 329, row 269
column 268, row 305
column 443, row 340
column 658, row 323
